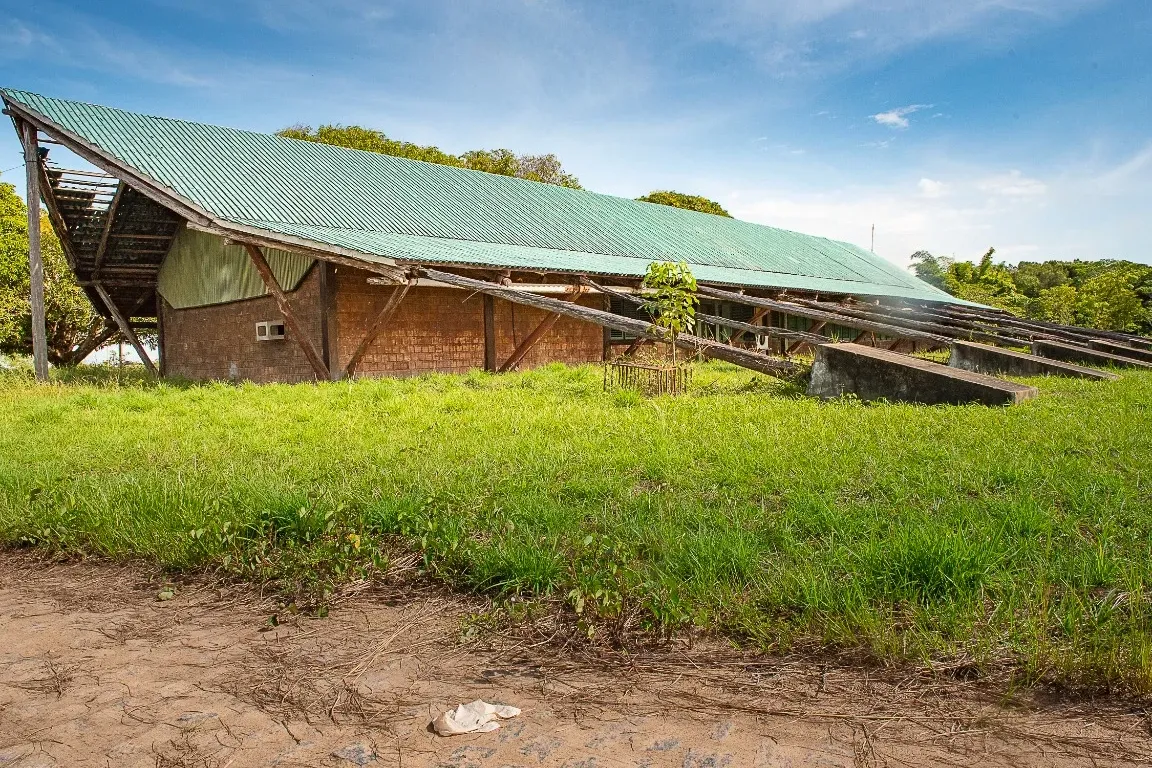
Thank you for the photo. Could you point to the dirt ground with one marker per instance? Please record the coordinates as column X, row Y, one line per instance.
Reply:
column 96, row 671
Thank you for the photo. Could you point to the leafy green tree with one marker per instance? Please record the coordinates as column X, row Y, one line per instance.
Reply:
column 672, row 300
column 1109, row 301
column 1105, row 294
column 503, row 162
column 687, row 202
column 1055, row 305
column 73, row 327
column 931, row 269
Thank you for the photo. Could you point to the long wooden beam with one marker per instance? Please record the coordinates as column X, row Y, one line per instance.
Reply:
column 836, row 318
column 35, row 257
column 297, row 331
column 1076, row 333
column 920, row 325
column 382, row 317
column 125, row 328
column 750, row 359
column 56, row 217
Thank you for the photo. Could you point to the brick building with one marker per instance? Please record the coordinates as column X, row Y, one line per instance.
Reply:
column 270, row 259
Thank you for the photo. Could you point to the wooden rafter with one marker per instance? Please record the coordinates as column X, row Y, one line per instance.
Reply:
column 294, row 327
column 125, row 328
column 378, row 323
column 110, row 217
column 56, row 217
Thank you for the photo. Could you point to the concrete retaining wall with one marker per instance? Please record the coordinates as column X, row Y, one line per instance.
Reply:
column 982, row 358
column 1073, row 353
column 877, row 374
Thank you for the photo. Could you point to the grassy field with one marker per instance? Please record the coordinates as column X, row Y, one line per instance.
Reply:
column 1016, row 536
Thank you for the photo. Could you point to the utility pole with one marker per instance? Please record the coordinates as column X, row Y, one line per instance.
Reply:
column 35, row 258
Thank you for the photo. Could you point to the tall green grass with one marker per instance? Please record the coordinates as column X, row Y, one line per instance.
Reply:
column 1017, row 535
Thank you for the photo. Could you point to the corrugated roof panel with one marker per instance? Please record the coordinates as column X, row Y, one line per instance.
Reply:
column 439, row 211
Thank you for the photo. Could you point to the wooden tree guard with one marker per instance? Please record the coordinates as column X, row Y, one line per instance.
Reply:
column 306, row 345
column 646, row 379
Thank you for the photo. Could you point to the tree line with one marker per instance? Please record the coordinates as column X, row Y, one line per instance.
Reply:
column 1109, row 294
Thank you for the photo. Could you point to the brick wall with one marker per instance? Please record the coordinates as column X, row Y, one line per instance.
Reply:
column 219, row 341
column 442, row 329
column 434, row 329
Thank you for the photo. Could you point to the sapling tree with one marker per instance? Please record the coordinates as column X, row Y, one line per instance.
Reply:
column 670, row 298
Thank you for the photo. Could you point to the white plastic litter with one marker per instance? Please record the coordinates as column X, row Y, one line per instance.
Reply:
column 475, row 717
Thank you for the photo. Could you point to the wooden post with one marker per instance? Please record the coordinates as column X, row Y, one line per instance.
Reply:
column 381, row 319
column 306, row 345
column 489, row 333
column 35, row 258
column 125, row 327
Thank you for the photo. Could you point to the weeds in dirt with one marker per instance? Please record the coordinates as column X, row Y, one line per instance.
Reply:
column 1017, row 535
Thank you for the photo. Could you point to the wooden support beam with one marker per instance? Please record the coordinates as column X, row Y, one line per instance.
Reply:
column 756, row 361
column 125, row 328
column 757, row 316
column 382, row 317
column 35, row 257
column 537, row 333
column 56, row 217
column 815, row 328
column 294, row 327
column 489, row 333
column 110, row 217
column 838, row 318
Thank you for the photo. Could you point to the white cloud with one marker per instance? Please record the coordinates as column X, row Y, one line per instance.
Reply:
column 932, row 189
column 898, row 118
column 1013, row 184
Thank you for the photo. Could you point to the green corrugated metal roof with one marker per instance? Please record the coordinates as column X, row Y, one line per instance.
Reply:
column 389, row 207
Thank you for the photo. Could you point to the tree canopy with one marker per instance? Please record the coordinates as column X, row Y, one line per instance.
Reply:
column 503, row 162
column 1107, row 294
column 73, row 326
column 687, row 202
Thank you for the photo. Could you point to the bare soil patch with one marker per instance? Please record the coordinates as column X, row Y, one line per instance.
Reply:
column 96, row 671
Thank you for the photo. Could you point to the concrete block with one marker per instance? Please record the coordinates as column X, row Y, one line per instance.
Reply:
column 1116, row 348
column 1074, row 353
column 982, row 358
column 875, row 374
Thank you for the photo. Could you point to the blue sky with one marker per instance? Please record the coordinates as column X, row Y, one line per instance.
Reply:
column 952, row 126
